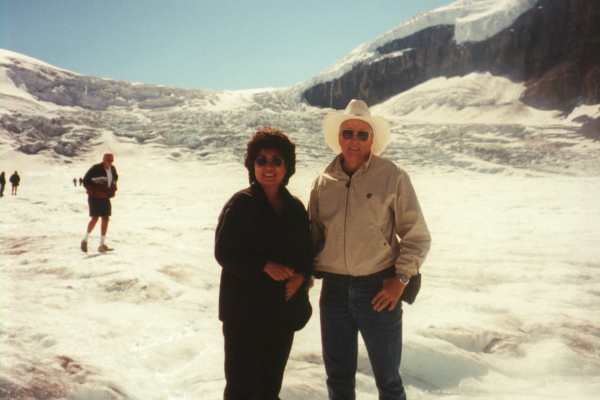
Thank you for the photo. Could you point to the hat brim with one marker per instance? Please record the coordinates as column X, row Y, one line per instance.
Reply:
column 331, row 128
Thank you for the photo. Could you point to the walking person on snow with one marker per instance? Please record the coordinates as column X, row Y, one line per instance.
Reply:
column 101, row 184
column 15, row 180
column 2, row 183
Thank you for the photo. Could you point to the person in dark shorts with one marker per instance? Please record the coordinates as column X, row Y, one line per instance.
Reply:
column 100, row 182
column 15, row 181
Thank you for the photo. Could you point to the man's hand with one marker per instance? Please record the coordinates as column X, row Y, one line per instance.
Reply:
column 389, row 295
column 292, row 285
column 278, row 272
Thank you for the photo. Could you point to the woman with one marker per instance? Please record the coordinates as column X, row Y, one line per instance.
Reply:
column 263, row 245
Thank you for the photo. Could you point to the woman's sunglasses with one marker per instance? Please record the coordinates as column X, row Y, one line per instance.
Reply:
column 263, row 161
column 348, row 134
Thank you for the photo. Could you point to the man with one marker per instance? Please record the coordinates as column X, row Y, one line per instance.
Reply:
column 2, row 183
column 371, row 238
column 15, row 181
column 101, row 184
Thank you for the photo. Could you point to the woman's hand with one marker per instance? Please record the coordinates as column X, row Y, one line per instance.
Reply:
column 278, row 272
column 292, row 285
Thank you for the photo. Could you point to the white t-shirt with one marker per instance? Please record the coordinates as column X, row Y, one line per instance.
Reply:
column 109, row 176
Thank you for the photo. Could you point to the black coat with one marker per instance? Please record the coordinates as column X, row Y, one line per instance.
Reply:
column 249, row 234
column 96, row 190
column 15, row 179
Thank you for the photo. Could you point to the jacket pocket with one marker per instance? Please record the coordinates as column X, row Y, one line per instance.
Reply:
column 379, row 234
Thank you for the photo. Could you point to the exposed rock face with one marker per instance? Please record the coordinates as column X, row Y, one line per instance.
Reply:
column 554, row 47
column 591, row 129
column 32, row 148
column 37, row 133
column 34, row 127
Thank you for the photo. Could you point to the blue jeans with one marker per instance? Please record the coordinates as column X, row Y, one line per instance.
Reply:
column 346, row 310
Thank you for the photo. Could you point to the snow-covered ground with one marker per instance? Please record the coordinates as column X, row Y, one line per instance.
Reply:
column 510, row 303
column 508, row 310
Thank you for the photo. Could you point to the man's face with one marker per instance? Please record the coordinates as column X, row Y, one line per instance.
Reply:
column 356, row 139
column 107, row 160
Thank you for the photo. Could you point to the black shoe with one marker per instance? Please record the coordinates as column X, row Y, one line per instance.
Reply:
column 104, row 248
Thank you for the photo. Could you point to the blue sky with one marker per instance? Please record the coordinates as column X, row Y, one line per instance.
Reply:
column 222, row 44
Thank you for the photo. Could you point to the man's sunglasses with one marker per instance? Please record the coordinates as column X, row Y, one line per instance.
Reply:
column 263, row 161
column 348, row 134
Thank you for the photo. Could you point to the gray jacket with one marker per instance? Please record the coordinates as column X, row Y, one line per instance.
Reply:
column 368, row 222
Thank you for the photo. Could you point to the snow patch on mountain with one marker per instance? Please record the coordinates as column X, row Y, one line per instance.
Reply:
column 478, row 123
column 585, row 110
column 475, row 98
column 8, row 88
column 11, row 57
column 482, row 19
column 233, row 99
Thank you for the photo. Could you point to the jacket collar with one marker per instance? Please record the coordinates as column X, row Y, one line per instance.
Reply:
column 335, row 167
column 258, row 191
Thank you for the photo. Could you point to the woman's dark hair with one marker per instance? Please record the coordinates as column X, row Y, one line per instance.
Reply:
column 271, row 138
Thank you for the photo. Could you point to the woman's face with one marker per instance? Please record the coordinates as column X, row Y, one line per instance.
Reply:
column 269, row 168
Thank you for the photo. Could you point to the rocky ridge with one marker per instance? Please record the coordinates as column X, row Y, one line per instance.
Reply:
column 553, row 48
column 62, row 114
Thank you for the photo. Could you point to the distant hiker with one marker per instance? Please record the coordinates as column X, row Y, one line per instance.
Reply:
column 80, row 181
column 75, row 182
column 2, row 183
column 263, row 245
column 371, row 239
column 15, row 181
column 101, row 184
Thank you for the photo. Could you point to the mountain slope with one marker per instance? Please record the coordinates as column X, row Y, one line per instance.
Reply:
column 551, row 45
column 476, row 121
column 45, row 108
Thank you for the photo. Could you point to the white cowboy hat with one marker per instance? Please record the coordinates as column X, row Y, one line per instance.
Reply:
column 356, row 109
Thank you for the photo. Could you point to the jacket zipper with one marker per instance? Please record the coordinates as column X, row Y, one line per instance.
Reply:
column 346, row 222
